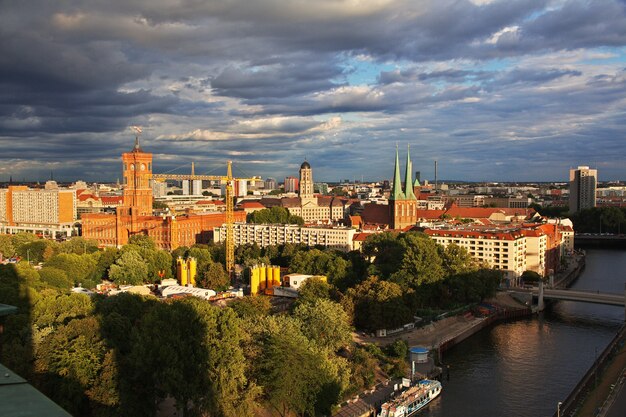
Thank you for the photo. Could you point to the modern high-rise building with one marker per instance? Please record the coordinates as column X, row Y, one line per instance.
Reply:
column 50, row 213
column 270, row 184
column 291, row 185
column 582, row 188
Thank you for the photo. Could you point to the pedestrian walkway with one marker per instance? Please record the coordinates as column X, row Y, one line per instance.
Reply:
column 600, row 400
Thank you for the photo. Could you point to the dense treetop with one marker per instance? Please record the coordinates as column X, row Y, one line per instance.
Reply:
column 121, row 355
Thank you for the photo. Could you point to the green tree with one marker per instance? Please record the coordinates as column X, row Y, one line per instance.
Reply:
column 143, row 241
column 324, row 322
column 54, row 308
column 314, row 289
column 73, row 357
column 317, row 262
column 157, row 261
column 199, row 362
column 129, row 268
column 385, row 252
column 246, row 253
column 7, row 249
column 531, row 277
column 294, row 374
column 104, row 260
column 38, row 250
column 612, row 218
column 215, row 277
column 363, row 369
column 420, row 263
column 273, row 215
column 456, row 259
column 79, row 246
column 203, row 258
column 249, row 307
column 56, row 278
column 398, row 349
column 79, row 268
column 20, row 239
column 378, row 305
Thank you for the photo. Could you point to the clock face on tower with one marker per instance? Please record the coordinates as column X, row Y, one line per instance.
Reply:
column 143, row 167
column 132, row 167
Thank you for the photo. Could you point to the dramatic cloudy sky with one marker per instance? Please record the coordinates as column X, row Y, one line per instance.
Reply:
column 493, row 90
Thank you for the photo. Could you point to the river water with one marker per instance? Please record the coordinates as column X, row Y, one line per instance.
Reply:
column 524, row 368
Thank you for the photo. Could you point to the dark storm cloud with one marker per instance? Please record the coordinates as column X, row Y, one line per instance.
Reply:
column 536, row 76
column 268, row 81
column 282, row 80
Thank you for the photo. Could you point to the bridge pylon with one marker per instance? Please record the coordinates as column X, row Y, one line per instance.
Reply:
column 540, row 303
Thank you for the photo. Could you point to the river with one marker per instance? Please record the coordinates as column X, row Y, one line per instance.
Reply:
column 524, row 368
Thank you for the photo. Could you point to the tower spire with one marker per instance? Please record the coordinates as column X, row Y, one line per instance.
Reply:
column 408, row 182
column 397, row 193
column 137, row 130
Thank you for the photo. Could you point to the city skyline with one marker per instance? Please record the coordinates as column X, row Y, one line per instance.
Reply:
column 492, row 90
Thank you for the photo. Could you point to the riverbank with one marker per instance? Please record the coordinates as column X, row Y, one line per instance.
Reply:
column 595, row 393
column 443, row 334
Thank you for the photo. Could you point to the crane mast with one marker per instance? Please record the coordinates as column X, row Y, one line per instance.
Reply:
column 230, row 244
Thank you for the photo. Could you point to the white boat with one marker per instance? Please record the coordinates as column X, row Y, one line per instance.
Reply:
column 412, row 400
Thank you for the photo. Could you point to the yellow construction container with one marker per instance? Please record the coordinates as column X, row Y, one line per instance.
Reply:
column 262, row 278
column 192, row 267
column 270, row 276
column 186, row 271
column 181, row 271
column 276, row 275
column 254, row 280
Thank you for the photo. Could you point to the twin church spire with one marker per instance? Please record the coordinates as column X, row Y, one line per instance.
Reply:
column 397, row 192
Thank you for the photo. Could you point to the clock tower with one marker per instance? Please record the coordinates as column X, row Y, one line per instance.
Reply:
column 137, row 172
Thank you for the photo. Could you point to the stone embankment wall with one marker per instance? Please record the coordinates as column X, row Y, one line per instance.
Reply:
column 573, row 402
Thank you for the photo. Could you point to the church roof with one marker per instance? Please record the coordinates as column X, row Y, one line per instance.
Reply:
column 305, row 165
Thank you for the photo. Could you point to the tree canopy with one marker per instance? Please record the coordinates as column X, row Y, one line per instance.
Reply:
column 273, row 215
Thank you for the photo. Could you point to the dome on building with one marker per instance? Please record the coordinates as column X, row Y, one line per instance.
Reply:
column 305, row 165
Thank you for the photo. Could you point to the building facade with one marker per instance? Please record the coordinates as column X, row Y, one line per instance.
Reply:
column 502, row 250
column 291, row 185
column 513, row 249
column 48, row 212
column 278, row 234
column 582, row 188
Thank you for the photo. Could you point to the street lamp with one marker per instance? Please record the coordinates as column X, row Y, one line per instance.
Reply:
column 28, row 256
column 558, row 409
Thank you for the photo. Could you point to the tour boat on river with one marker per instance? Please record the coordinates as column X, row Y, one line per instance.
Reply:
column 412, row 400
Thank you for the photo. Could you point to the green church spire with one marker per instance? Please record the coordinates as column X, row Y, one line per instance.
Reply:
column 397, row 193
column 408, row 182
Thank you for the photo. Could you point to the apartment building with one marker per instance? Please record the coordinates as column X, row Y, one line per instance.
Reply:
column 503, row 249
column 278, row 234
column 582, row 188
column 49, row 212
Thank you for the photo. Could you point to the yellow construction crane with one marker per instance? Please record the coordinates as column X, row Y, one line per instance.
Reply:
column 230, row 206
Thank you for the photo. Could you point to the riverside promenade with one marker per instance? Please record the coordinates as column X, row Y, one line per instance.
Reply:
column 443, row 334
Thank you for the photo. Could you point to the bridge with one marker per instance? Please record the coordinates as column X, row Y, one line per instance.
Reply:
column 599, row 240
column 594, row 297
